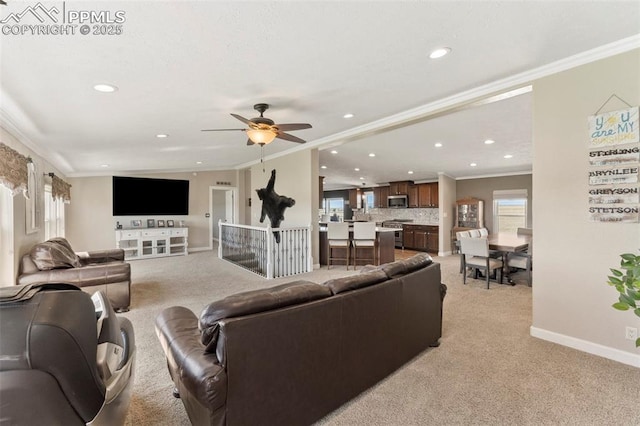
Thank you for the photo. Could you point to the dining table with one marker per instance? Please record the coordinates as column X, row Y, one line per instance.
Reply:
column 508, row 243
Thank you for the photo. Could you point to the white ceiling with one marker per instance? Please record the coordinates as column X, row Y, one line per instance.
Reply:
column 183, row 66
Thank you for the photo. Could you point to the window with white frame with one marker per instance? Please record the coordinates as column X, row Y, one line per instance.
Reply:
column 509, row 210
column 53, row 215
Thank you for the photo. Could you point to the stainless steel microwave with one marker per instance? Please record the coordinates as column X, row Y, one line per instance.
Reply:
column 397, row 201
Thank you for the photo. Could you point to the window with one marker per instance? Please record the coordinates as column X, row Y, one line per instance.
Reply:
column 335, row 209
column 509, row 210
column 53, row 215
column 368, row 200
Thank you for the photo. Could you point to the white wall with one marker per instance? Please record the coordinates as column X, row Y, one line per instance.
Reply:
column 90, row 224
column 297, row 178
column 447, row 206
column 572, row 256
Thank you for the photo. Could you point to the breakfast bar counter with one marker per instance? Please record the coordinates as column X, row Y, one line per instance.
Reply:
column 385, row 247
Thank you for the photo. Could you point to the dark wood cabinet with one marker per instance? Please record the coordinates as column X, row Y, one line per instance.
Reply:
column 400, row 187
column 421, row 237
column 428, row 195
column 355, row 198
column 413, row 198
column 380, row 194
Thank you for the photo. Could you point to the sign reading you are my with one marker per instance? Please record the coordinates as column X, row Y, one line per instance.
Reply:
column 614, row 160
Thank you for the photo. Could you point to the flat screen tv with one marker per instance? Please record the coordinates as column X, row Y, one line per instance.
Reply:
column 133, row 196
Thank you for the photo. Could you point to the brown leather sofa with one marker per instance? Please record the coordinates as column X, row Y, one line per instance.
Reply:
column 54, row 261
column 290, row 354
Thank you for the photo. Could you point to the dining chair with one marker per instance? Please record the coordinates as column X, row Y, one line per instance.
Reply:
column 522, row 260
column 459, row 235
column 524, row 231
column 475, row 254
column 364, row 236
column 474, row 233
column 338, row 239
column 484, row 232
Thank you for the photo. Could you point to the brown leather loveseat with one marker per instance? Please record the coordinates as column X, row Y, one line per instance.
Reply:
column 54, row 261
column 290, row 354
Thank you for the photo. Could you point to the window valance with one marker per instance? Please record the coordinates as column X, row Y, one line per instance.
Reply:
column 60, row 189
column 13, row 169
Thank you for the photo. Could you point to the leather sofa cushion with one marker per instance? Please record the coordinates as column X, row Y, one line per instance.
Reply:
column 254, row 301
column 394, row 269
column 52, row 254
column 417, row 261
column 353, row 282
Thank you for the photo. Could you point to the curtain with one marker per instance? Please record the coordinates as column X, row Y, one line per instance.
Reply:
column 60, row 189
column 13, row 169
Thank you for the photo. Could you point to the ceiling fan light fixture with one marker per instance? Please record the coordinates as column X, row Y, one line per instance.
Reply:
column 261, row 136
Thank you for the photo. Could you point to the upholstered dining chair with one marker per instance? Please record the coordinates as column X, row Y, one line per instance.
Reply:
column 364, row 236
column 524, row 231
column 522, row 260
column 459, row 235
column 474, row 233
column 475, row 254
column 338, row 238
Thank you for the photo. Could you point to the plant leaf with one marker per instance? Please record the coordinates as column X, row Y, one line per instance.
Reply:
column 637, row 311
column 629, row 301
column 615, row 281
column 620, row 306
column 628, row 256
column 638, row 342
column 616, row 272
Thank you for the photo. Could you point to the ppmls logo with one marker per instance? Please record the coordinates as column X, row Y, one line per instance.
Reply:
column 60, row 20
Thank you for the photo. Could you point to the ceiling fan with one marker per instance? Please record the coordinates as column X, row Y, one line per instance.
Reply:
column 263, row 130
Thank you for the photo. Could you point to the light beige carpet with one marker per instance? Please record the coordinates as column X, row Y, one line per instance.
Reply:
column 488, row 370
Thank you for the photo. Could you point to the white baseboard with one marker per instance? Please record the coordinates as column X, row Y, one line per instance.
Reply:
column 195, row 249
column 445, row 253
column 588, row 347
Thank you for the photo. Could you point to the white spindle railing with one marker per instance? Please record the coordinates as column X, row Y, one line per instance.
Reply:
column 255, row 248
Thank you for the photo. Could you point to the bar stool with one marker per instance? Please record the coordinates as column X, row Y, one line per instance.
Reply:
column 337, row 238
column 364, row 236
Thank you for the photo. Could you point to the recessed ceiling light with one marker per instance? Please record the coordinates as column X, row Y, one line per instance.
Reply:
column 323, row 167
column 104, row 165
column 334, row 152
column 161, row 135
column 105, row 88
column 489, row 141
column 410, row 172
column 198, row 162
column 439, row 53
column 372, row 155
column 361, row 178
column 473, row 164
column 508, row 156
column 349, row 115
column 437, row 145
column 357, row 169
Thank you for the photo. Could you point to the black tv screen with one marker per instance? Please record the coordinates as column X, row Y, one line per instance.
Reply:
column 134, row 196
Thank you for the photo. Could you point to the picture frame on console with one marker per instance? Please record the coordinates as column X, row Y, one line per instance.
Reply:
column 151, row 223
column 136, row 223
column 169, row 223
column 160, row 223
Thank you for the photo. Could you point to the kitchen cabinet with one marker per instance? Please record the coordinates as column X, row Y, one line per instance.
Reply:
column 421, row 237
column 400, row 187
column 413, row 197
column 380, row 194
column 355, row 198
column 428, row 195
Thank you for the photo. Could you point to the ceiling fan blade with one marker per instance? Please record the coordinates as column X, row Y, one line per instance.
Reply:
column 293, row 126
column 288, row 137
column 250, row 142
column 221, row 130
column 244, row 120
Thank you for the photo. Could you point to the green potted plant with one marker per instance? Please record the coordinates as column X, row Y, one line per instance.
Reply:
column 627, row 281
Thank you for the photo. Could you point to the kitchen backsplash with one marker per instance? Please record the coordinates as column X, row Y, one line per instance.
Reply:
column 425, row 216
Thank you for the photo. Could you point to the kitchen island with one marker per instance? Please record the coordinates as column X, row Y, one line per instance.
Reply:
column 385, row 247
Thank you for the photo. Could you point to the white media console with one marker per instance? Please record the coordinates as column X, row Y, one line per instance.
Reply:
column 152, row 242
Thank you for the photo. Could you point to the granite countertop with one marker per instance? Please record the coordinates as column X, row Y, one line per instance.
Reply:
column 378, row 229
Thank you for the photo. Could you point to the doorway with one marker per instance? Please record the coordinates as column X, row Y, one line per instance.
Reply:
column 223, row 207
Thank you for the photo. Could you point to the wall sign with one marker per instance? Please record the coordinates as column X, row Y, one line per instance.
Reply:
column 614, row 128
column 614, row 165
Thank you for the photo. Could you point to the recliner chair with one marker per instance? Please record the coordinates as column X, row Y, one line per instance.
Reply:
column 65, row 358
